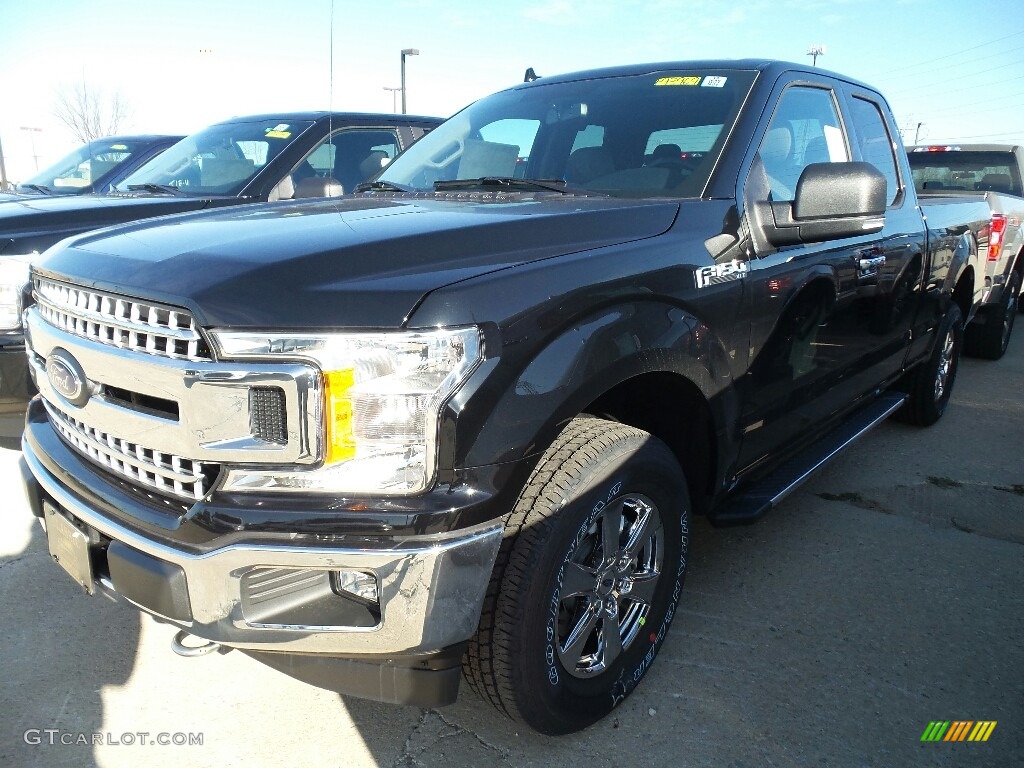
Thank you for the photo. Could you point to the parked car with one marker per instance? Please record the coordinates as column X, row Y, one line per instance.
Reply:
column 96, row 166
column 461, row 421
column 992, row 172
column 242, row 160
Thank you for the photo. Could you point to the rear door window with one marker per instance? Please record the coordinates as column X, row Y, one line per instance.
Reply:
column 876, row 145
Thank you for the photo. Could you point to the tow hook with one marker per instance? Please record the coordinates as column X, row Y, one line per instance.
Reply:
column 205, row 646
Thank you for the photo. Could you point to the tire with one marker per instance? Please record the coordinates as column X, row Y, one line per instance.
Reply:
column 990, row 338
column 569, row 628
column 931, row 383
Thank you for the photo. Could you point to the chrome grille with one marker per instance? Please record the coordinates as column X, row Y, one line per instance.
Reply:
column 120, row 322
column 164, row 472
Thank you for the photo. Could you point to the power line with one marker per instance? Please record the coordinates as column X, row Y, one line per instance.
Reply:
column 959, row 77
column 993, row 97
column 960, row 107
column 951, row 55
column 987, row 135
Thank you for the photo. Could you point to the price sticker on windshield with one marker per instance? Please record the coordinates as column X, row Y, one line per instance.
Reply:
column 714, row 81
column 688, row 80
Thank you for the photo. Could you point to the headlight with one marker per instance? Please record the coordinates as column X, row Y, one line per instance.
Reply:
column 381, row 397
column 14, row 276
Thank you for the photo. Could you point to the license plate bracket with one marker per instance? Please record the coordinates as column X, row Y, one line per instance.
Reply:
column 69, row 546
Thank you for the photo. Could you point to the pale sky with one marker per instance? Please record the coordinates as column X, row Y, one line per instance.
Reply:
column 956, row 67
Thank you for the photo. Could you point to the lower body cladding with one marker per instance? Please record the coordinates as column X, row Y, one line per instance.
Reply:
column 385, row 620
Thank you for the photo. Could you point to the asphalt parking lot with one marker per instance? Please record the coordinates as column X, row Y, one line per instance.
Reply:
column 885, row 594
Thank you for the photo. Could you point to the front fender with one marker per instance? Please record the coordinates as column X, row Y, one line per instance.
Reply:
column 515, row 407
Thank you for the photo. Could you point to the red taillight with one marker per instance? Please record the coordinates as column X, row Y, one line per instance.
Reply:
column 995, row 236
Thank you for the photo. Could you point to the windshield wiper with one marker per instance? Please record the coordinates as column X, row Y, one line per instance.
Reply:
column 382, row 186
column 41, row 188
column 167, row 189
column 550, row 185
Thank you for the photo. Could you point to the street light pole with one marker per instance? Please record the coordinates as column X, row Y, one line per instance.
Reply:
column 917, row 132
column 394, row 97
column 32, row 131
column 3, row 171
column 406, row 52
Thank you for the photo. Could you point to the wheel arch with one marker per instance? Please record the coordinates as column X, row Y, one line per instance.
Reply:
column 648, row 364
column 673, row 409
column 963, row 291
column 961, row 283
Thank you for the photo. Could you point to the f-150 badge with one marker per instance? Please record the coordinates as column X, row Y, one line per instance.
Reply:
column 721, row 273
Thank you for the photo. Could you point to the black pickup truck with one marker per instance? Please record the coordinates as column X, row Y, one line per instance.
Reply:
column 279, row 156
column 460, row 422
column 95, row 167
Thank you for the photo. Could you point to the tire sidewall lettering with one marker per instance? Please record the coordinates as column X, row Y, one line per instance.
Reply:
column 670, row 612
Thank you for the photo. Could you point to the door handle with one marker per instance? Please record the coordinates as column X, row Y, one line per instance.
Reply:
column 872, row 264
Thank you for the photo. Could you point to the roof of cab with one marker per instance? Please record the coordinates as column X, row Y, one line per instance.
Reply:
column 383, row 117
column 770, row 67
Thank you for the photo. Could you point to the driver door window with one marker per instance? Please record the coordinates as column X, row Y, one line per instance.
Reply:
column 339, row 163
column 805, row 129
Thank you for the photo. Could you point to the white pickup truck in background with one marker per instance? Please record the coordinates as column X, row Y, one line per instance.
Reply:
column 994, row 171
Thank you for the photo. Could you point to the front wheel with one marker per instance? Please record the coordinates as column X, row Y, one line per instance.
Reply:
column 931, row 383
column 587, row 579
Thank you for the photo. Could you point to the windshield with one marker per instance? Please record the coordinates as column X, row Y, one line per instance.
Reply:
column 652, row 135
column 955, row 170
column 83, row 167
column 220, row 160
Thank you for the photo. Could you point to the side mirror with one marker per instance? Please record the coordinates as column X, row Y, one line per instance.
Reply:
column 832, row 201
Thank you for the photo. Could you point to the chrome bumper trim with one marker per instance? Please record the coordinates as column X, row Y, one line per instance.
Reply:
column 431, row 588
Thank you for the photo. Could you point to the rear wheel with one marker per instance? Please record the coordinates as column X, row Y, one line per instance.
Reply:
column 990, row 338
column 587, row 579
column 931, row 383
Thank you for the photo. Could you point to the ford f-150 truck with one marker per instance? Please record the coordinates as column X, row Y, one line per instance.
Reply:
column 993, row 172
column 243, row 160
column 460, row 422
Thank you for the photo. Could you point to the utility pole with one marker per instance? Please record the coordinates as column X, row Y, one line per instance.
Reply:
column 814, row 52
column 32, row 131
column 406, row 52
column 394, row 97
column 3, row 170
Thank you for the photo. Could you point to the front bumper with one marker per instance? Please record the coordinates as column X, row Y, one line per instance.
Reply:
column 431, row 588
column 272, row 595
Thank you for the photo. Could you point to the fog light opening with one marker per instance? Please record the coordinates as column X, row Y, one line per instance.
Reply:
column 356, row 585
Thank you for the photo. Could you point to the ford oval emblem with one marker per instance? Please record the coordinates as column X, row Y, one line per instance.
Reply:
column 67, row 378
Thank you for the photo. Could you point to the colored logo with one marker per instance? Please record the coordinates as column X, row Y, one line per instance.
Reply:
column 958, row 730
column 67, row 377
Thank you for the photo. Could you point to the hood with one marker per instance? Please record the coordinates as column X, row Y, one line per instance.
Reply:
column 355, row 262
column 37, row 222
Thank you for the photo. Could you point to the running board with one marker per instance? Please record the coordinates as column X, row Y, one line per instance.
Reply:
column 754, row 502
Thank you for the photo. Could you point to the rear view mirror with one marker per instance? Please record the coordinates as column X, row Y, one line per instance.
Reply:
column 832, row 201
column 561, row 113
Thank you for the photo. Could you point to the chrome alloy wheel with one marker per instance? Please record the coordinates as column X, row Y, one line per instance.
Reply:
column 609, row 584
column 945, row 367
